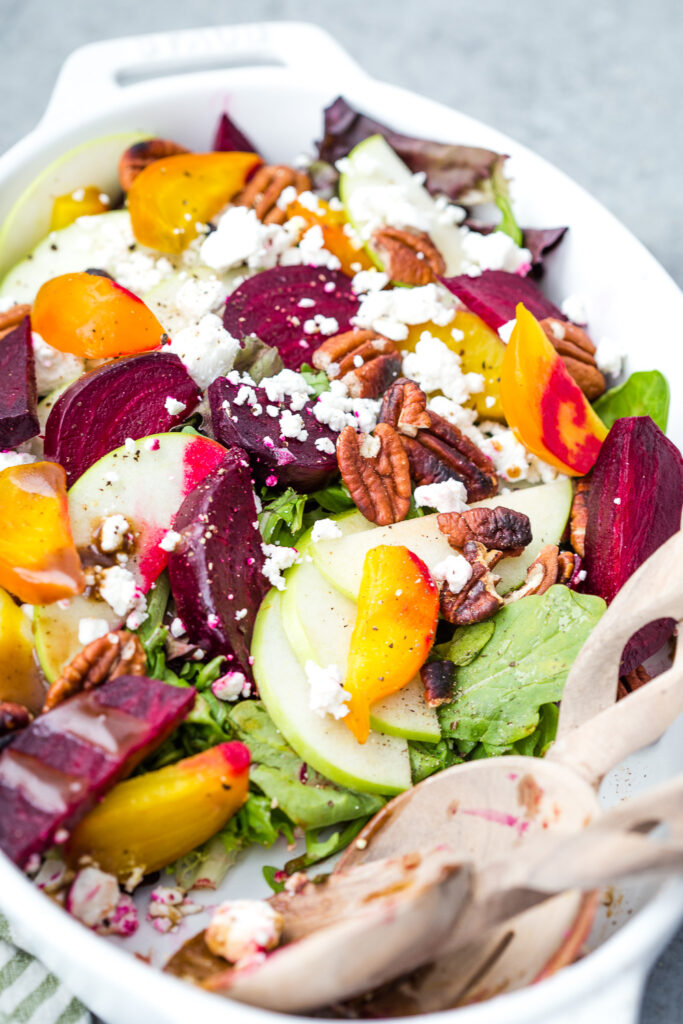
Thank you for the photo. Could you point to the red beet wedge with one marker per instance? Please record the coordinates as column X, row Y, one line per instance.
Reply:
column 57, row 769
column 280, row 306
column 494, row 296
column 216, row 567
column 18, row 398
column 126, row 398
column 229, row 138
column 635, row 504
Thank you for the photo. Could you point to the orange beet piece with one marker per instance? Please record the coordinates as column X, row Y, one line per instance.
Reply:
column 38, row 560
column 83, row 202
column 332, row 223
column 93, row 317
column 170, row 197
column 544, row 406
column 398, row 608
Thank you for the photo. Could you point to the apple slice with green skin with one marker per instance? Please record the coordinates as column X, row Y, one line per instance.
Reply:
column 55, row 630
column 547, row 506
column 381, row 765
column 370, row 170
column 319, row 621
column 94, row 162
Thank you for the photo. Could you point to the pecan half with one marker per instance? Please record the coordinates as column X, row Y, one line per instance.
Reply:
column 13, row 717
column 578, row 517
column 12, row 318
column 500, row 528
column 633, row 681
column 577, row 352
column 118, row 653
column 263, row 190
column 568, row 568
column 375, row 469
column 409, row 257
column 366, row 362
column 436, row 449
column 478, row 600
column 540, row 575
column 142, row 154
column 437, row 679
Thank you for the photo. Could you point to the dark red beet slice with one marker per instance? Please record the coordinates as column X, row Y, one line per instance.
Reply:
column 634, row 505
column 215, row 569
column 274, row 459
column 18, row 397
column 126, row 398
column 268, row 305
column 57, row 769
column 494, row 296
column 229, row 138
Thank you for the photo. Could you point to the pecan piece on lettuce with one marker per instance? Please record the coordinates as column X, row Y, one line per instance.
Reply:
column 409, row 257
column 500, row 528
column 118, row 653
column 436, row 449
column 375, row 469
column 263, row 190
column 142, row 154
column 366, row 362
column 541, row 574
column 478, row 600
column 577, row 352
column 437, row 679
column 578, row 517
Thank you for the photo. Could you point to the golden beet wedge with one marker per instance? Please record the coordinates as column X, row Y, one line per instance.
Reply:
column 147, row 822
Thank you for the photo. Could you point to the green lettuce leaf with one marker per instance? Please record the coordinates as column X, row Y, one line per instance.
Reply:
column 428, row 758
column 257, row 359
column 466, row 642
column 645, row 393
column 316, row 379
column 501, row 196
column 523, row 666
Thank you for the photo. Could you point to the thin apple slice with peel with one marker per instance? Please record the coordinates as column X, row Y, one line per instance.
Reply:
column 379, row 766
column 56, row 627
column 94, row 162
column 319, row 621
column 547, row 506
column 146, row 482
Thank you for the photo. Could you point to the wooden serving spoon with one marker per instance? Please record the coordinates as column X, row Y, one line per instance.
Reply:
column 363, row 927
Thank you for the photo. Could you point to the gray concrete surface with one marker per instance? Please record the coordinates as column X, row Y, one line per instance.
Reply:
column 593, row 85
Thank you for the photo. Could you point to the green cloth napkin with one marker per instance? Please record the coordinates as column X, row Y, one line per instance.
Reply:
column 29, row 994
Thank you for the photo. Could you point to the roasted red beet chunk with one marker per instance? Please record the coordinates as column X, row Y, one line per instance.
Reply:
column 57, row 769
column 18, row 399
column 293, row 309
column 494, row 295
column 215, row 569
column 240, row 418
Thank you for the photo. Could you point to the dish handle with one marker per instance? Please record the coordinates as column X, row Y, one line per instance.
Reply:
column 96, row 74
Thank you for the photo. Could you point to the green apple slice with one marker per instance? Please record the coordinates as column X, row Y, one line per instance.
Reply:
column 319, row 621
column 370, row 170
column 381, row 765
column 55, row 630
column 547, row 506
column 92, row 163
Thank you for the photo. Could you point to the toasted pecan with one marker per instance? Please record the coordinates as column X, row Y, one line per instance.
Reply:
column 633, row 681
column 577, row 352
column 375, row 470
column 262, row 191
column 578, row 517
column 12, row 317
column 478, row 600
column 500, row 528
column 366, row 362
column 13, row 717
column 409, row 257
column 142, row 154
column 541, row 574
column 118, row 653
column 437, row 681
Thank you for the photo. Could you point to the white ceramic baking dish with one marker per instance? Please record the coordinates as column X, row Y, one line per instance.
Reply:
column 275, row 79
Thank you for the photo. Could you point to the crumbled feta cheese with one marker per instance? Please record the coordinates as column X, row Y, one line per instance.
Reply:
column 310, row 251
column 12, row 458
column 90, row 629
column 455, row 571
column 327, row 696
column 574, row 308
column 448, row 496
column 240, row 237
column 6, row 303
column 52, row 875
column 112, row 533
column 54, row 369
column 287, row 384
column 168, row 905
column 286, row 197
column 506, row 329
column 118, row 588
column 369, row 281
column 320, row 324
column 96, row 900
column 177, row 627
column 198, row 296
column 173, row 407
column 389, row 312
column 617, row 501
column 240, row 928
column 207, row 350
column 325, row 445
column 609, row 357
column 325, row 529
column 292, row 426
column 169, row 541
column 369, row 446
column 495, row 251
column 436, row 367
column 231, row 686
column 278, row 559
column 511, row 460
column 337, row 410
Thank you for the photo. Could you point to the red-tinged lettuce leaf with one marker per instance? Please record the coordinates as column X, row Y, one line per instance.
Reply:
column 494, row 295
column 279, row 461
column 126, row 398
column 216, row 568
column 268, row 305
column 541, row 241
column 229, row 138
column 58, row 768
column 634, row 506
column 463, row 173
column 18, row 397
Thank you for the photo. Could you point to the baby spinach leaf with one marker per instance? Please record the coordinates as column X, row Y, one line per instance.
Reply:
column 645, row 393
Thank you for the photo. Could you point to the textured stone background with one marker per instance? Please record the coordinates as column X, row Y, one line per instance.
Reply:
column 593, row 85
